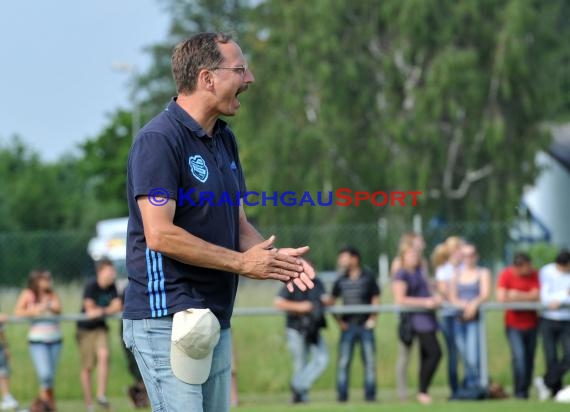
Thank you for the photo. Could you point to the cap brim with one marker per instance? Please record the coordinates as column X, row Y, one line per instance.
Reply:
column 187, row 369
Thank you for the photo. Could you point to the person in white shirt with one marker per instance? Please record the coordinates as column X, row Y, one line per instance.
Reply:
column 555, row 324
column 444, row 274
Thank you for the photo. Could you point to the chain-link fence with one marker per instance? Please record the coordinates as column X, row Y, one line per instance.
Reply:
column 382, row 237
column 65, row 252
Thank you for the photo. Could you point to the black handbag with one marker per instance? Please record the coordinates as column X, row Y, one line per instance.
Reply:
column 405, row 328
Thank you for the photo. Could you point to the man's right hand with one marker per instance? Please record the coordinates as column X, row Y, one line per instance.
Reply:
column 262, row 261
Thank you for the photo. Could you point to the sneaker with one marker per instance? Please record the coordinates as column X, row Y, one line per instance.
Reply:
column 103, row 402
column 296, row 397
column 542, row 389
column 563, row 395
column 8, row 403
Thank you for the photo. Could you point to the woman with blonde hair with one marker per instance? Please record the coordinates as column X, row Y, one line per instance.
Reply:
column 411, row 288
column 468, row 290
column 445, row 271
column 416, row 240
column 39, row 302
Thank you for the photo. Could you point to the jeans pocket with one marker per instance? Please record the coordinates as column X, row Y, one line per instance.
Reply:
column 128, row 333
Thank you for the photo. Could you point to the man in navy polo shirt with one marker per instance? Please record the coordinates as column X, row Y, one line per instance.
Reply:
column 184, row 252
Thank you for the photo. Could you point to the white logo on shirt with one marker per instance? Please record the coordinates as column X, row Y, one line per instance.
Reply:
column 198, row 167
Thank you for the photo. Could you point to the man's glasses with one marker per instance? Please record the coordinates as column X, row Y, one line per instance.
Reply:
column 238, row 69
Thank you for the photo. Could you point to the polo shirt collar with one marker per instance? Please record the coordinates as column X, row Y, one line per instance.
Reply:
column 183, row 117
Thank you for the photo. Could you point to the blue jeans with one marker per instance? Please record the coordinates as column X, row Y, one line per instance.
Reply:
column 45, row 357
column 348, row 339
column 305, row 370
column 446, row 325
column 556, row 346
column 467, row 342
column 523, row 347
column 149, row 340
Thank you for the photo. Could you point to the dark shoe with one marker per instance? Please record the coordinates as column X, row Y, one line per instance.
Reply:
column 296, row 397
column 137, row 394
column 496, row 391
column 39, row 405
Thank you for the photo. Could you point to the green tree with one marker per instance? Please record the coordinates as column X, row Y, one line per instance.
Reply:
column 103, row 168
column 37, row 195
column 449, row 98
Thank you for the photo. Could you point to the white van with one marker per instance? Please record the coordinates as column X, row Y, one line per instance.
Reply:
column 111, row 242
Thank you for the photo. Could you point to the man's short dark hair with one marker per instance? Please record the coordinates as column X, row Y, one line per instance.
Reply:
column 101, row 263
column 563, row 257
column 194, row 54
column 352, row 251
column 521, row 258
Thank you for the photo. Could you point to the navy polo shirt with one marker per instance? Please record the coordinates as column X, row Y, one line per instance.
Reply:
column 173, row 154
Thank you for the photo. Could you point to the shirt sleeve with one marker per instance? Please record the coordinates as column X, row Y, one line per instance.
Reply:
column 401, row 275
column 336, row 289
column 114, row 292
column 549, row 290
column 89, row 292
column 154, row 165
column 441, row 274
column 374, row 287
column 321, row 291
column 535, row 284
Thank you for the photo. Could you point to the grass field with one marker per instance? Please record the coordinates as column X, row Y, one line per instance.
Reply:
column 263, row 362
column 279, row 404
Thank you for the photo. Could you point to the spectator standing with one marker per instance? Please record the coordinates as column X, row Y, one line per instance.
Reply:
column 519, row 283
column 304, row 321
column 100, row 299
column 411, row 288
column 468, row 290
column 405, row 348
column 8, row 401
column 555, row 324
column 444, row 273
column 40, row 302
column 356, row 286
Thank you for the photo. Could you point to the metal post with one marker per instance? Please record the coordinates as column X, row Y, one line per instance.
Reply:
column 483, row 365
column 417, row 224
column 383, row 259
column 132, row 70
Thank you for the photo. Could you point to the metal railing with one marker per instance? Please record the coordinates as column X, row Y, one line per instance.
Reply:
column 349, row 309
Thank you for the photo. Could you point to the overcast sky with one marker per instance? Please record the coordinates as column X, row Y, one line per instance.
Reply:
column 57, row 84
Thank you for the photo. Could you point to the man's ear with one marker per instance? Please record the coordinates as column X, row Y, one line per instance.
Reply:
column 206, row 79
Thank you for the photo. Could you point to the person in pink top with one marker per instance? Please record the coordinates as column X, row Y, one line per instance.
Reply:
column 40, row 302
